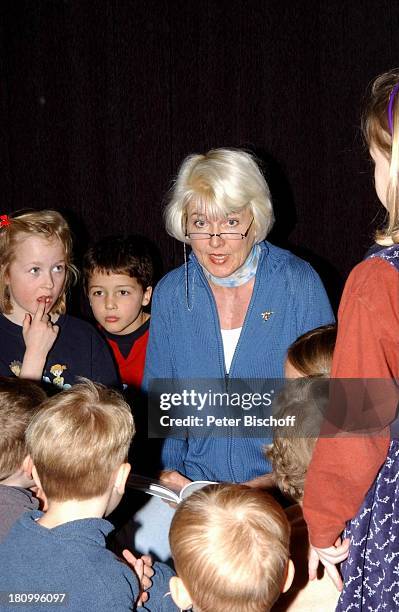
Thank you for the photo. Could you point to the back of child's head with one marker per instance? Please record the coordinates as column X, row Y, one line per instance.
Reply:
column 306, row 400
column 130, row 255
column 311, row 354
column 78, row 438
column 230, row 546
column 381, row 130
column 19, row 401
column 46, row 224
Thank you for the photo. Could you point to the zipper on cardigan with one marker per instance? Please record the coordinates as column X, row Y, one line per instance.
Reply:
column 228, row 376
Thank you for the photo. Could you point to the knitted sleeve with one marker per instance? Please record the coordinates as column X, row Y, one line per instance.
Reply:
column 313, row 306
column 343, row 468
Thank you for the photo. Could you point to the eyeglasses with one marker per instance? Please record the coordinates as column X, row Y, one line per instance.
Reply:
column 222, row 235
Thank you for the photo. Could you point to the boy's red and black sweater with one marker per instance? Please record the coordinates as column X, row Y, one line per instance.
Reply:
column 129, row 351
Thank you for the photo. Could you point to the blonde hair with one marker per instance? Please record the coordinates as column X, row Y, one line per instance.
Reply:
column 19, row 401
column 306, row 399
column 230, row 546
column 220, row 182
column 47, row 224
column 377, row 133
column 78, row 438
column 311, row 354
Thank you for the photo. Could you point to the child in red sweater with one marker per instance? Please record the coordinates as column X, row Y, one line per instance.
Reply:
column 352, row 480
column 118, row 276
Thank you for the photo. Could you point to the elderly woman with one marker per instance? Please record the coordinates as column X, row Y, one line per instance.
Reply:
column 232, row 309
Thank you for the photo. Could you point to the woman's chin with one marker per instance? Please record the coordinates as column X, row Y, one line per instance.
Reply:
column 219, row 272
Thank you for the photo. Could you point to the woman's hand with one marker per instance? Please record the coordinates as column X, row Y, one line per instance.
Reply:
column 142, row 567
column 329, row 557
column 39, row 336
column 173, row 480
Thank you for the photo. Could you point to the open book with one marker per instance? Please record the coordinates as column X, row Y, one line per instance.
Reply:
column 155, row 487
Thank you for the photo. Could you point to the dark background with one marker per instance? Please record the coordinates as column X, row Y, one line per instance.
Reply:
column 100, row 101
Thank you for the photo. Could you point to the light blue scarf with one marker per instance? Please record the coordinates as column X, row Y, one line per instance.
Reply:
column 240, row 276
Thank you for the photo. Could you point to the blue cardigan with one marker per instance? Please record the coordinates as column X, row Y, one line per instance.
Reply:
column 185, row 342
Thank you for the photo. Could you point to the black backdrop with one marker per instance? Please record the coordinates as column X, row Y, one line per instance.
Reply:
column 101, row 100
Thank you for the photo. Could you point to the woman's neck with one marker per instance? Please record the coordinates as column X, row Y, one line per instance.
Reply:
column 232, row 303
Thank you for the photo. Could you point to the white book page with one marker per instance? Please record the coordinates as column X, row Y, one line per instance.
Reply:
column 152, row 487
column 189, row 488
column 155, row 487
column 163, row 492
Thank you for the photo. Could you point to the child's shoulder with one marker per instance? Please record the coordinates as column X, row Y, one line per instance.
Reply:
column 70, row 321
column 73, row 555
column 76, row 326
column 9, row 328
column 73, row 539
column 373, row 277
column 17, row 495
column 14, row 502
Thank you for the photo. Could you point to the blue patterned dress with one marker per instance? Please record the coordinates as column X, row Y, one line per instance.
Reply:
column 371, row 572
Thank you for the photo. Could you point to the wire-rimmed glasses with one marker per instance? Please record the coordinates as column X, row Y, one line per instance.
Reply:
column 222, row 235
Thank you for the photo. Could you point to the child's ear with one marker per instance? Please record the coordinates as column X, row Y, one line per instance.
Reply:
column 146, row 296
column 27, row 466
column 35, row 476
column 179, row 593
column 121, row 477
column 289, row 576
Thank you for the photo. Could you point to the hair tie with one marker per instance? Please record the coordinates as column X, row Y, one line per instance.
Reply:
column 390, row 107
column 4, row 221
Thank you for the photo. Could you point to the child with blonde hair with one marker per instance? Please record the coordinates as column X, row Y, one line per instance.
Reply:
column 311, row 354
column 78, row 444
column 38, row 339
column 304, row 396
column 19, row 401
column 230, row 546
column 342, row 488
column 290, row 453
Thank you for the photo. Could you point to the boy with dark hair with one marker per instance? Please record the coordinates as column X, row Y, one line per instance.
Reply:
column 118, row 275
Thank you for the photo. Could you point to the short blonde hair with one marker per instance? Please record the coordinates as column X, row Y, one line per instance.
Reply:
column 47, row 224
column 377, row 133
column 221, row 182
column 78, row 438
column 230, row 546
column 306, row 399
column 311, row 354
column 19, row 401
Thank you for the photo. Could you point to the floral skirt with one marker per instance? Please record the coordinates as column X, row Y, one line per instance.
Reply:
column 371, row 571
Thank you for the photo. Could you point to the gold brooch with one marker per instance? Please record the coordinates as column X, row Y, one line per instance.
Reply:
column 266, row 315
